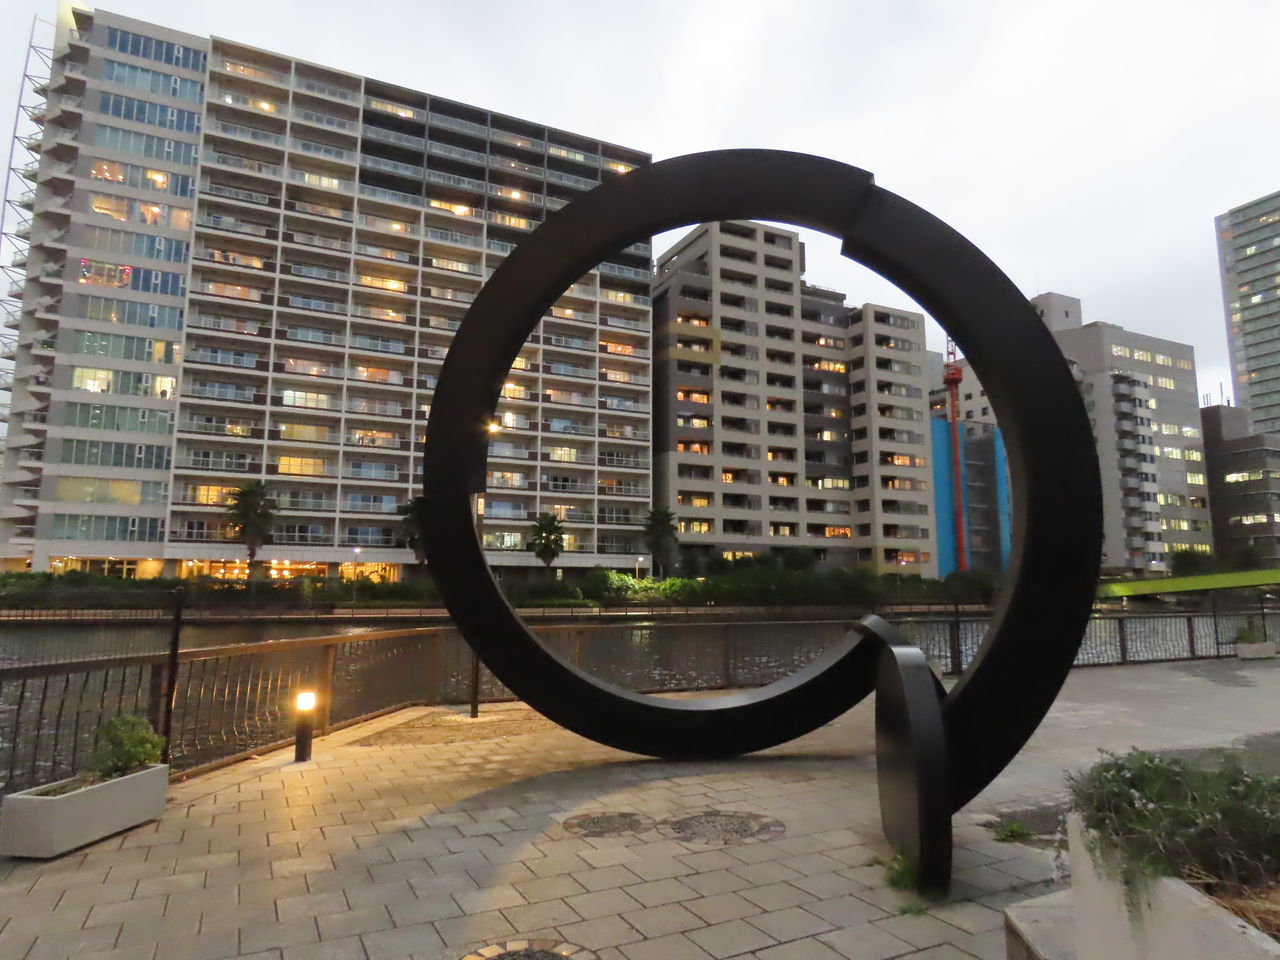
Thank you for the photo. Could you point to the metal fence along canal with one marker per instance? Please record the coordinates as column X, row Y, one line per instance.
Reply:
column 218, row 702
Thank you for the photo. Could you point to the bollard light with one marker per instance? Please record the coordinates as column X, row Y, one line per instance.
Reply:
column 305, row 725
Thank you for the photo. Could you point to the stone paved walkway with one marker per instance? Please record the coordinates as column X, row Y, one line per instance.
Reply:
column 393, row 851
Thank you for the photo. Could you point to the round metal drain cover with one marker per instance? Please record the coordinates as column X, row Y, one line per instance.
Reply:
column 721, row 827
column 608, row 824
column 531, row 950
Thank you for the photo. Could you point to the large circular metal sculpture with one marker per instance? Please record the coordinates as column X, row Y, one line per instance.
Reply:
column 1042, row 613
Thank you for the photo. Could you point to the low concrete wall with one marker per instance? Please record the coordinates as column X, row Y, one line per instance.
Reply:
column 1172, row 921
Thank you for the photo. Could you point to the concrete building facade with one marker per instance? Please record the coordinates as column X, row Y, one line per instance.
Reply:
column 1140, row 392
column 1244, row 485
column 783, row 418
column 1249, row 260
column 242, row 266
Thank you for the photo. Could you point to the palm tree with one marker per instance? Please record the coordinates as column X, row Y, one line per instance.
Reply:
column 660, row 537
column 412, row 525
column 250, row 513
column 546, row 538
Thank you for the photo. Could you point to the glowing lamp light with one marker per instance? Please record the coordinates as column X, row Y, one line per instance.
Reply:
column 495, row 427
column 306, row 700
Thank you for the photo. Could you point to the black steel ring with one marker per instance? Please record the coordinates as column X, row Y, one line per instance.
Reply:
column 1042, row 613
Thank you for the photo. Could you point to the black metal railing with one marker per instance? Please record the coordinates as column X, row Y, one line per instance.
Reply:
column 216, row 703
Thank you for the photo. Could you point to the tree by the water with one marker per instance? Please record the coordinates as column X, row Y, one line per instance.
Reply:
column 546, row 538
column 251, row 513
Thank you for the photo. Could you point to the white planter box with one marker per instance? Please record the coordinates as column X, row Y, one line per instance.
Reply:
column 42, row 826
column 1172, row 920
column 1256, row 651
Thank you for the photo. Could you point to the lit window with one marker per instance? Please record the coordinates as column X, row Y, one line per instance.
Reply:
column 93, row 380
column 1195, row 478
column 97, row 273
column 117, row 208
column 304, row 466
column 1119, row 351
column 843, row 533
column 107, row 170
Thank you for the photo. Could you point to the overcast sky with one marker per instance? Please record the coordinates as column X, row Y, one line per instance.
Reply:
column 1084, row 145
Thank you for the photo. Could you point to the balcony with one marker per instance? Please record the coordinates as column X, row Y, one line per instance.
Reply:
column 608, row 489
column 367, row 540
column 223, row 464
column 303, row 538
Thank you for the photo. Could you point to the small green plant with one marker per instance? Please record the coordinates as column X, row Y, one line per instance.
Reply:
column 126, row 744
column 915, row 909
column 1151, row 816
column 1012, row 831
column 1249, row 634
column 899, row 874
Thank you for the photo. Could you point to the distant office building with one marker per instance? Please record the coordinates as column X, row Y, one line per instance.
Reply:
column 1249, row 258
column 241, row 266
column 1140, row 392
column 1244, row 485
column 782, row 417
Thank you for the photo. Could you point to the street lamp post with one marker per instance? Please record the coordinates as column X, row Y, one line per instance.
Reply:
column 355, row 574
column 638, row 559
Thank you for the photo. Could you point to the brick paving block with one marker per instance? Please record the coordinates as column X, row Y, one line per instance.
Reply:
column 790, row 924
column 369, row 894
column 1035, row 867
column 477, row 926
column 347, row 948
column 969, row 916
column 133, row 951
column 311, row 905
column 847, row 910
column 280, row 934
column 544, row 914
column 920, row 930
column 658, row 868
column 604, row 878
column 602, row 903
column 730, row 938
column 600, row 932
column 776, row 896
column 865, row 941
column 760, row 874
column 408, row 913
column 806, row 949
column 485, row 899
column 548, row 888
column 824, row 886
column 988, row 945
column 214, row 945
column 708, row 860
column 721, row 907
column 654, row 893
column 674, row 947
column 717, row 881
column 947, row 952
column 419, row 940
column 352, row 923
column 153, row 929
column 660, row 921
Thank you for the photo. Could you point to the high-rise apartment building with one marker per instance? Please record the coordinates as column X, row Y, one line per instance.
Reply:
column 1140, row 392
column 1244, row 486
column 1249, row 258
column 244, row 266
column 783, row 418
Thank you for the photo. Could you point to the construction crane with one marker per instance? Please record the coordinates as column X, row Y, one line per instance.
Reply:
column 952, row 377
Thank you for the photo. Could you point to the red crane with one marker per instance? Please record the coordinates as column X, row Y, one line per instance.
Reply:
column 952, row 377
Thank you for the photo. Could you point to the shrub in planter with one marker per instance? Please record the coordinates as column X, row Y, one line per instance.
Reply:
column 1251, row 645
column 1144, row 819
column 123, row 785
